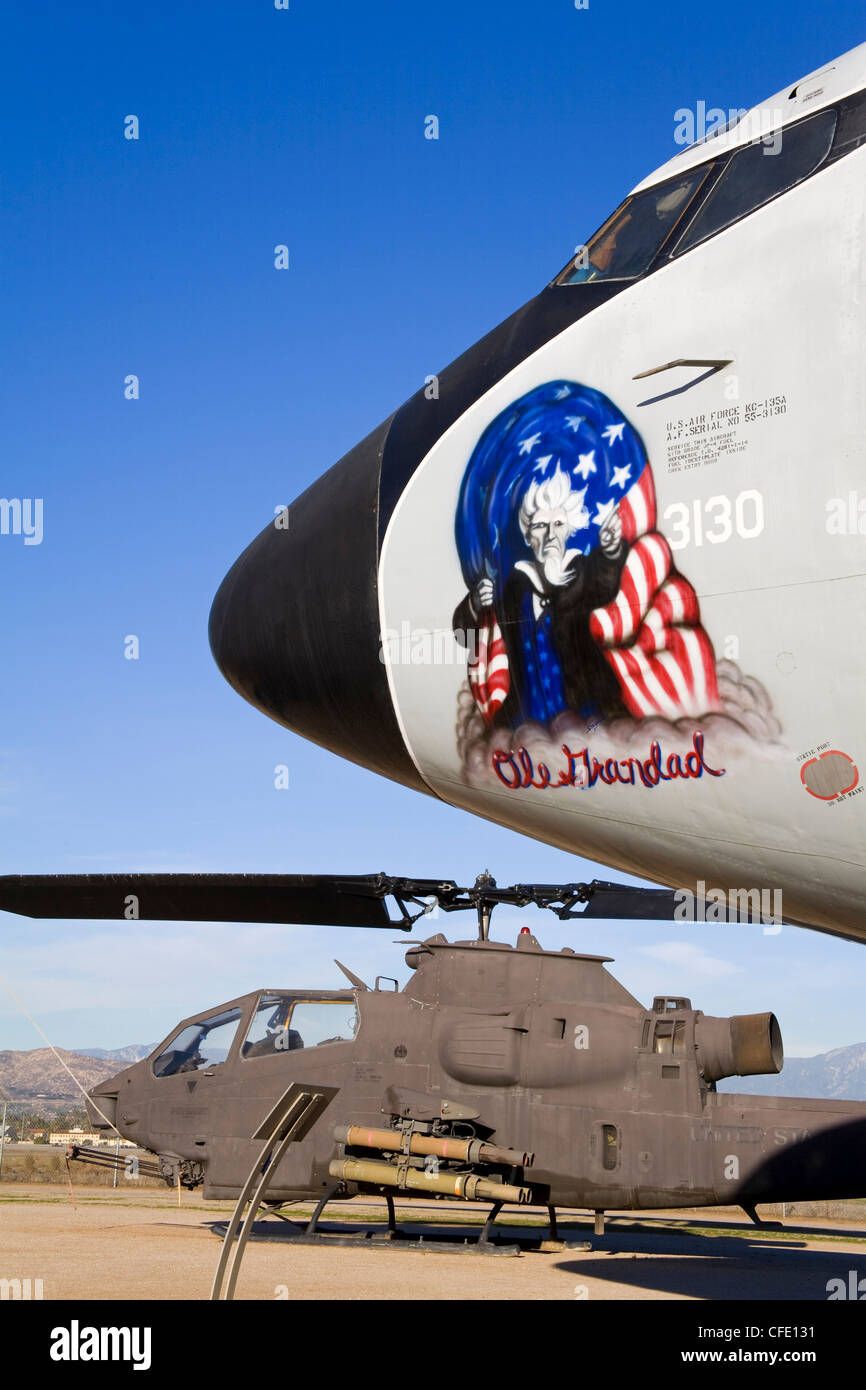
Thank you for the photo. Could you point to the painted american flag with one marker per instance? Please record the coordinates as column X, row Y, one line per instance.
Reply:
column 489, row 677
column 651, row 633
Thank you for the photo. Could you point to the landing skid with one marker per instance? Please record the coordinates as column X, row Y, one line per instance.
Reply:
column 446, row 1239
column 757, row 1220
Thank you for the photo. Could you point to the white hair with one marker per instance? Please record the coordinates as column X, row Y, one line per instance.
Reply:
column 555, row 492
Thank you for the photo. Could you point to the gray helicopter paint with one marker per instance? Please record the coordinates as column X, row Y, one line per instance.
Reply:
column 538, row 1051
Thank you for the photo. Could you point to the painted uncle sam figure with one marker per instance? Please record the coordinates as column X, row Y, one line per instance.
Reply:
column 573, row 601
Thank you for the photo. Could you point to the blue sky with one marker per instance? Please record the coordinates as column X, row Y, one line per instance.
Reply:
column 155, row 257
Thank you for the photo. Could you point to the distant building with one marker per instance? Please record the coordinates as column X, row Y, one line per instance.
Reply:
column 88, row 1138
column 74, row 1136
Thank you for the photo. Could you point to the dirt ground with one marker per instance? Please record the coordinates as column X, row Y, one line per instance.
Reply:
column 142, row 1246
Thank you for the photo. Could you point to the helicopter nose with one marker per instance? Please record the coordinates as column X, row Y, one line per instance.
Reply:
column 101, row 1107
column 294, row 626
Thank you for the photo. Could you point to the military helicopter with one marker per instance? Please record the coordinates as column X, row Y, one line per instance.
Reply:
column 504, row 1074
column 500, row 619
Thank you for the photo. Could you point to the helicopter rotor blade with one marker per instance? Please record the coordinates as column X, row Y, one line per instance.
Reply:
column 312, row 899
column 620, row 901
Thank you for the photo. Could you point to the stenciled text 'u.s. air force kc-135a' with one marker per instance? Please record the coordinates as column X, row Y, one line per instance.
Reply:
column 600, row 582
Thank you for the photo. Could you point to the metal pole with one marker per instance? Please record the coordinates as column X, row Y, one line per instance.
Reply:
column 116, row 1158
column 290, row 1120
column 3, row 1133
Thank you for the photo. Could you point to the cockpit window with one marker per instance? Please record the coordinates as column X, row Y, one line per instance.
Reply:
column 282, row 1024
column 202, row 1044
column 759, row 172
column 631, row 239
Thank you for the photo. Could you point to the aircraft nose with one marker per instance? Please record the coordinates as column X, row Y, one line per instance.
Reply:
column 294, row 626
column 100, row 1104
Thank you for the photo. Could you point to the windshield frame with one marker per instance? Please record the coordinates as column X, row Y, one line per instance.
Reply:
column 702, row 175
column 681, row 249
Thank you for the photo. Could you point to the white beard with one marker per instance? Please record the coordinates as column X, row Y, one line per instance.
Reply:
column 555, row 570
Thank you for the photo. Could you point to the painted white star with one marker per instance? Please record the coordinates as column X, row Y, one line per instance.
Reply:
column 586, row 464
column 527, row 445
column 542, row 463
column 582, row 517
column 621, row 476
column 603, row 511
column 561, row 394
column 574, row 422
column 614, row 432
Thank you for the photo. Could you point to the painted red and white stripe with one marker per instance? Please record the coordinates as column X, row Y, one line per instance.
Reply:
column 651, row 632
column 638, row 507
column 645, row 570
column 489, row 675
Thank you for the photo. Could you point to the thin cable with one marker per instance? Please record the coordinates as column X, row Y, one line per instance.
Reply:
column 44, row 1035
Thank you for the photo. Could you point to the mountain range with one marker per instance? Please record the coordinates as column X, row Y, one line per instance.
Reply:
column 38, row 1076
column 133, row 1053
column 836, row 1075
column 30, row 1076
